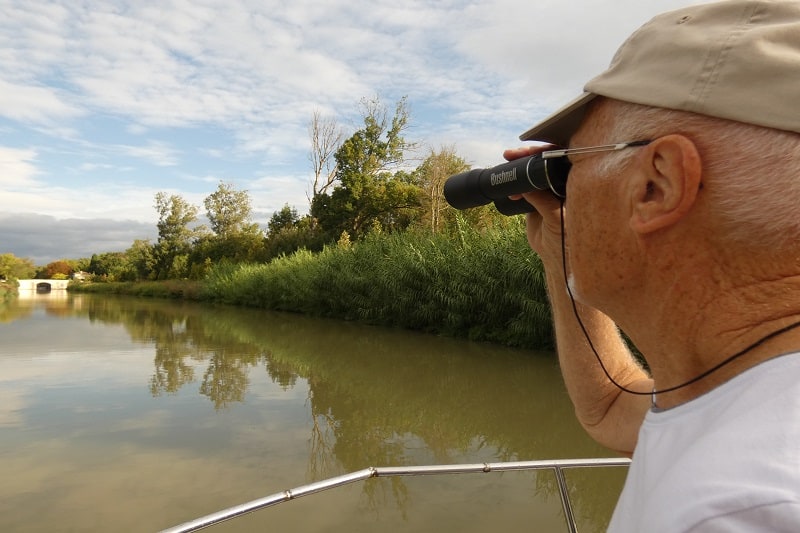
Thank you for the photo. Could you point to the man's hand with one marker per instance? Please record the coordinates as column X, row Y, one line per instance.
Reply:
column 543, row 225
column 611, row 417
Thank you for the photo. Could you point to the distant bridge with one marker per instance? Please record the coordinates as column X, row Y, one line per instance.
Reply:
column 43, row 285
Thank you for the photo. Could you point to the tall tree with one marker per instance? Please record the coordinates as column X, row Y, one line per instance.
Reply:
column 326, row 137
column 432, row 173
column 229, row 211
column 371, row 189
column 175, row 235
column 235, row 236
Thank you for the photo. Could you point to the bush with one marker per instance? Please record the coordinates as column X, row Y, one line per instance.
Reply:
column 483, row 285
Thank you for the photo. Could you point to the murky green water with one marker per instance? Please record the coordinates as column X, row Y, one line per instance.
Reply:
column 121, row 414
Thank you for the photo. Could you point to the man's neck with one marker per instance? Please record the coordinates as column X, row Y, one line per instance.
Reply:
column 692, row 331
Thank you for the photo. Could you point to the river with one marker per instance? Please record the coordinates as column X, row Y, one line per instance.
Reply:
column 125, row 414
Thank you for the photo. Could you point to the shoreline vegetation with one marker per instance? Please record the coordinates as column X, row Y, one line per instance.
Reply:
column 482, row 285
column 380, row 244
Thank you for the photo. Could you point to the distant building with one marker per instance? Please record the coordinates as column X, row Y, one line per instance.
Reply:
column 81, row 276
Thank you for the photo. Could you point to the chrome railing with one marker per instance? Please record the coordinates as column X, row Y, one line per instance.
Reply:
column 557, row 465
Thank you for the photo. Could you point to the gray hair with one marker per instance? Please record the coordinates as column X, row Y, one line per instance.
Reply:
column 751, row 173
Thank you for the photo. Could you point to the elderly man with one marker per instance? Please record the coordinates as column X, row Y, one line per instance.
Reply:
column 683, row 230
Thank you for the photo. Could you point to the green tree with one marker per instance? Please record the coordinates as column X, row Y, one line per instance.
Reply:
column 285, row 237
column 370, row 191
column 285, row 218
column 229, row 211
column 141, row 260
column 436, row 213
column 432, row 174
column 175, row 235
column 110, row 266
column 13, row 267
column 235, row 236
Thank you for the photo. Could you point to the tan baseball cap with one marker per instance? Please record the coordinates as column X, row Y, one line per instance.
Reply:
column 736, row 59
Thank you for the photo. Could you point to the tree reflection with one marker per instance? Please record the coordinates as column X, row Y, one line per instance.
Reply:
column 184, row 335
column 281, row 373
column 321, row 462
column 376, row 397
column 393, row 398
column 225, row 380
column 10, row 310
column 171, row 372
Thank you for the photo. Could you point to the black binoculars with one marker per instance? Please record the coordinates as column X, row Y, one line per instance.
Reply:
column 483, row 185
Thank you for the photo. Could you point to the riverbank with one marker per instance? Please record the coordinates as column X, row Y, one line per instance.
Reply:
column 480, row 285
column 7, row 290
column 178, row 289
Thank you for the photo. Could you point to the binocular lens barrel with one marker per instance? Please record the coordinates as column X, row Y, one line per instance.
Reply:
column 480, row 186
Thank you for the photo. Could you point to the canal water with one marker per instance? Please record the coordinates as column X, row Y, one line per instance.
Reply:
column 124, row 414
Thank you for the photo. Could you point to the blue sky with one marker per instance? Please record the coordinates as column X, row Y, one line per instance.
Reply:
column 105, row 103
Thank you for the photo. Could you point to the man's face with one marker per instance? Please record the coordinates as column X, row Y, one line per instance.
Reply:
column 597, row 235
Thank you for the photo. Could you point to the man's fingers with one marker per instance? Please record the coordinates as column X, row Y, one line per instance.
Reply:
column 524, row 151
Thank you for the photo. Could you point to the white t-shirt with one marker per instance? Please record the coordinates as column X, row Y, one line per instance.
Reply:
column 728, row 461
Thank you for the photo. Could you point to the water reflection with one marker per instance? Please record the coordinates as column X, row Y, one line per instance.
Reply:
column 374, row 396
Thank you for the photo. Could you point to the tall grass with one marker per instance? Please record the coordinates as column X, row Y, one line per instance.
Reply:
column 482, row 285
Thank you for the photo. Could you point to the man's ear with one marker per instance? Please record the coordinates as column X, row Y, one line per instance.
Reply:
column 665, row 188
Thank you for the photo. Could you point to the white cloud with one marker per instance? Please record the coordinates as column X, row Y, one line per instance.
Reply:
column 34, row 104
column 158, row 153
column 117, row 201
column 271, row 193
column 100, row 94
column 260, row 64
column 31, row 40
column 17, row 168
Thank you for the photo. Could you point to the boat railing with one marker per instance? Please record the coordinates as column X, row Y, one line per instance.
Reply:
column 557, row 465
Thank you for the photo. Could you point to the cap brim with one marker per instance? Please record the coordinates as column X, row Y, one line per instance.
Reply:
column 559, row 127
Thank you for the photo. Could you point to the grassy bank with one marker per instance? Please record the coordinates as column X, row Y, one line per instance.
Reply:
column 480, row 285
column 188, row 290
column 485, row 286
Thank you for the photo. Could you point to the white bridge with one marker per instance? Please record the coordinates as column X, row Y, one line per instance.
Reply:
column 43, row 285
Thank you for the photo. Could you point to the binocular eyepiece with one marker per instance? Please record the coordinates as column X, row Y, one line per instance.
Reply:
column 533, row 173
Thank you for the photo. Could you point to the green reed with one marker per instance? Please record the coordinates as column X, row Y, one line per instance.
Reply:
column 482, row 285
